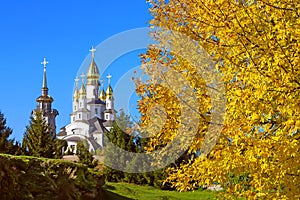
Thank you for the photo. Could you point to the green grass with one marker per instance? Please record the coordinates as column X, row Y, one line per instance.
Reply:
column 125, row 191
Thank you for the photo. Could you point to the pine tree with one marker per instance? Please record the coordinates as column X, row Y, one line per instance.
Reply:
column 85, row 157
column 38, row 140
column 59, row 145
column 122, row 136
column 6, row 145
column 115, row 136
column 119, row 137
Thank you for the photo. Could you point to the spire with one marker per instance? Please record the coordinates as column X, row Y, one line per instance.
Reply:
column 102, row 93
column 93, row 71
column 109, row 91
column 76, row 93
column 44, row 97
column 44, row 87
column 45, row 104
column 82, row 91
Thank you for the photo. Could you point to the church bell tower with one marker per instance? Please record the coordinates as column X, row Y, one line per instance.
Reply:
column 45, row 104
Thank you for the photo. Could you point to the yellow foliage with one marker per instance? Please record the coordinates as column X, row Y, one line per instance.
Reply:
column 255, row 47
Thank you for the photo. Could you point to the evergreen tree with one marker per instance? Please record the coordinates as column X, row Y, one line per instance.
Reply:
column 119, row 137
column 116, row 137
column 85, row 157
column 123, row 121
column 6, row 145
column 123, row 136
column 38, row 140
column 59, row 145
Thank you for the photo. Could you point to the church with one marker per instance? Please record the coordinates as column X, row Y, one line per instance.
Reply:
column 92, row 109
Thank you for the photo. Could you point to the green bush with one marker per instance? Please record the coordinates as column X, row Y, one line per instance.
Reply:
column 24, row 177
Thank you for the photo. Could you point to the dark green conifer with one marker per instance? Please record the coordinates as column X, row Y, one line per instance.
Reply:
column 38, row 140
column 6, row 145
column 85, row 157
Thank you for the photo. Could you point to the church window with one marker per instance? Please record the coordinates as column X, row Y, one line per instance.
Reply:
column 79, row 116
column 96, row 111
column 106, row 117
column 107, row 104
column 80, row 104
column 75, row 108
column 73, row 118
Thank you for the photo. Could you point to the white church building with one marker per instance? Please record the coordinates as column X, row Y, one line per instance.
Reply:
column 93, row 110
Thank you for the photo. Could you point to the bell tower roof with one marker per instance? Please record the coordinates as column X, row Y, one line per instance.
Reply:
column 44, row 87
column 44, row 97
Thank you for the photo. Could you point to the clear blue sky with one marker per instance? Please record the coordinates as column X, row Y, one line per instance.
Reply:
column 63, row 32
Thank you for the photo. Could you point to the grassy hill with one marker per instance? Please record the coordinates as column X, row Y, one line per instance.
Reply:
column 25, row 177
column 125, row 191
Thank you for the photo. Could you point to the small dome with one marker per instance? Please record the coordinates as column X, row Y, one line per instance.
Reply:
column 109, row 91
column 76, row 94
column 102, row 95
column 82, row 90
column 44, row 98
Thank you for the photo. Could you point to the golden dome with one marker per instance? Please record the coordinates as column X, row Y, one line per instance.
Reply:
column 93, row 73
column 76, row 94
column 82, row 90
column 102, row 95
column 109, row 91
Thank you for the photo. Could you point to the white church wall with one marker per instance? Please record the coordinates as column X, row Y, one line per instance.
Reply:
column 78, row 128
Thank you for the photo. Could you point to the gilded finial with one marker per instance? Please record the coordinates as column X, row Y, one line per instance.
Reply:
column 76, row 81
column 82, row 91
column 102, row 93
column 45, row 62
column 76, row 87
column 93, row 50
column 109, row 91
column 102, row 83
column 108, row 78
column 82, row 78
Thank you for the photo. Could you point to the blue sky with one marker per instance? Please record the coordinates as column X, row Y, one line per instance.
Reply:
column 63, row 32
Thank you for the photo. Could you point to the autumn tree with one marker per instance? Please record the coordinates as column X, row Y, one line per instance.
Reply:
column 254, row 47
